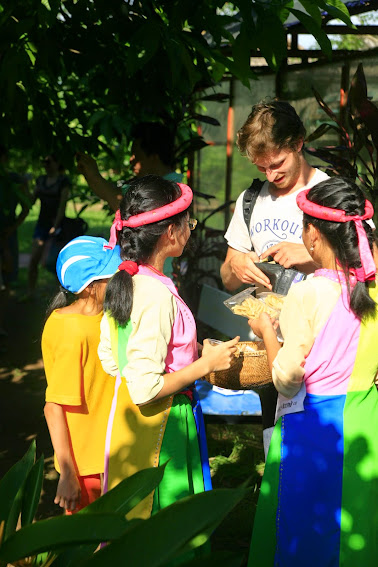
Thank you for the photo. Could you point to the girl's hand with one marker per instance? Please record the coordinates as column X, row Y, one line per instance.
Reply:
column 219, row 357
column 68, row 493
column 262, row 324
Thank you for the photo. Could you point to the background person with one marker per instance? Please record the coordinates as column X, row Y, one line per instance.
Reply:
column 319, row 492
column 152, row 152
column 52, row 190
column 272, row 138
column 13, row 192
column 79, row 392
column 149, row 340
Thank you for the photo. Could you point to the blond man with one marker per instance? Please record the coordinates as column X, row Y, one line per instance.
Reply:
column 272, row 138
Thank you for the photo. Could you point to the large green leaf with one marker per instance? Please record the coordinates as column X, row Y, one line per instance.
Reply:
column 241, row 51
column 273, row 45
column 338, row 9
column 57, row 533
column 14, row 514
column 120, row 500
column 128, row 493
column 216, row 559
column 186, row 522
column 313, row 10
column 32, row 492
column 318, row 33
column 13, row 481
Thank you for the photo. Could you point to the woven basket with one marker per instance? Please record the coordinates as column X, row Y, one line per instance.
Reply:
column 248, row 370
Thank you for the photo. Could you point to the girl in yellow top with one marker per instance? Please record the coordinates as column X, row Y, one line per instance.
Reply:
column 79, row 392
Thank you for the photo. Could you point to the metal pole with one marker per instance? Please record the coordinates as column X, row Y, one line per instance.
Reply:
column 229, row 150
column 344, row 87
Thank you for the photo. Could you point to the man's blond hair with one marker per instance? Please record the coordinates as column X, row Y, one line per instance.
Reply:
column 270, row 127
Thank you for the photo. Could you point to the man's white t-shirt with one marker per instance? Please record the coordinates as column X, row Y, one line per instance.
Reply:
column 274, row 219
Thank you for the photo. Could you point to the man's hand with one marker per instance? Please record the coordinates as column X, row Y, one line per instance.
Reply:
column 288, row 254
column 244, row 268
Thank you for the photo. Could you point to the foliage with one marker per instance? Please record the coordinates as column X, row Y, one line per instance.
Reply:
column 75, row 75
column 70, row 541
column 357, row 42
column 356, row 155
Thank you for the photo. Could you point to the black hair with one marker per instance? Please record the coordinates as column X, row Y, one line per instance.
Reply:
column 156, row 138
column 60, row 300
column 64, row 298
column 137, row 244
column 343, row 193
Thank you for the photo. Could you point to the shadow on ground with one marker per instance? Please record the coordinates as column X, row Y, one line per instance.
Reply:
column 22, row 389
column 235, row 451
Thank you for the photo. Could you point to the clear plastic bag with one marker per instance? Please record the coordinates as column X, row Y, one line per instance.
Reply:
column 247, row 305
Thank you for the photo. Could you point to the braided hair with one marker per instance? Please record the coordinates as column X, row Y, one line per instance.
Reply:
column 343, row 193
column 138, row 244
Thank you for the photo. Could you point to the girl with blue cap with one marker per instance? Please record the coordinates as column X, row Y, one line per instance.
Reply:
column 79, row 392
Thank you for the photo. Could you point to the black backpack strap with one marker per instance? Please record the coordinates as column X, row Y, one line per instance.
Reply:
column 250, row 198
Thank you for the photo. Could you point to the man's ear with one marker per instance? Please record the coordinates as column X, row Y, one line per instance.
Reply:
column 300, row 145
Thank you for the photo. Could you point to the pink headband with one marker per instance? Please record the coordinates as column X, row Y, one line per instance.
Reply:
column 368, row 269
column 164, row 212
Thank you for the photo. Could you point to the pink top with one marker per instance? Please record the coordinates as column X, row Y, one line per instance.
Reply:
column 182, row 349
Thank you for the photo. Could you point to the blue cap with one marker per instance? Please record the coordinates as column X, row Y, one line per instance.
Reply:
column 84, row 260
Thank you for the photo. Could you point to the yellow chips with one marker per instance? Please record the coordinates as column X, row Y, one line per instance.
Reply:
column 274, row 301
column 252, row 308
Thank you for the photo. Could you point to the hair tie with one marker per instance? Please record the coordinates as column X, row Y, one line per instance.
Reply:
column 129, row 266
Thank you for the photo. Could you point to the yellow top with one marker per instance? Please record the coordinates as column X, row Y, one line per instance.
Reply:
column 77, row 381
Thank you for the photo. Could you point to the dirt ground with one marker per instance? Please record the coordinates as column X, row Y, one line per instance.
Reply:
column 22, row 388
column 235, row 451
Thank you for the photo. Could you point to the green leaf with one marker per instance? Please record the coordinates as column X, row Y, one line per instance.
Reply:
column 32, row 492
column 13, row 481
column 241, row 51
column 128, row 493
column 318, row 33
column 338, row 9
column 313, row 10
column 46, row 4
column 14, row 514
column 186, row 522
column 216, row 559
column 273, row 45
column 60, row 532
